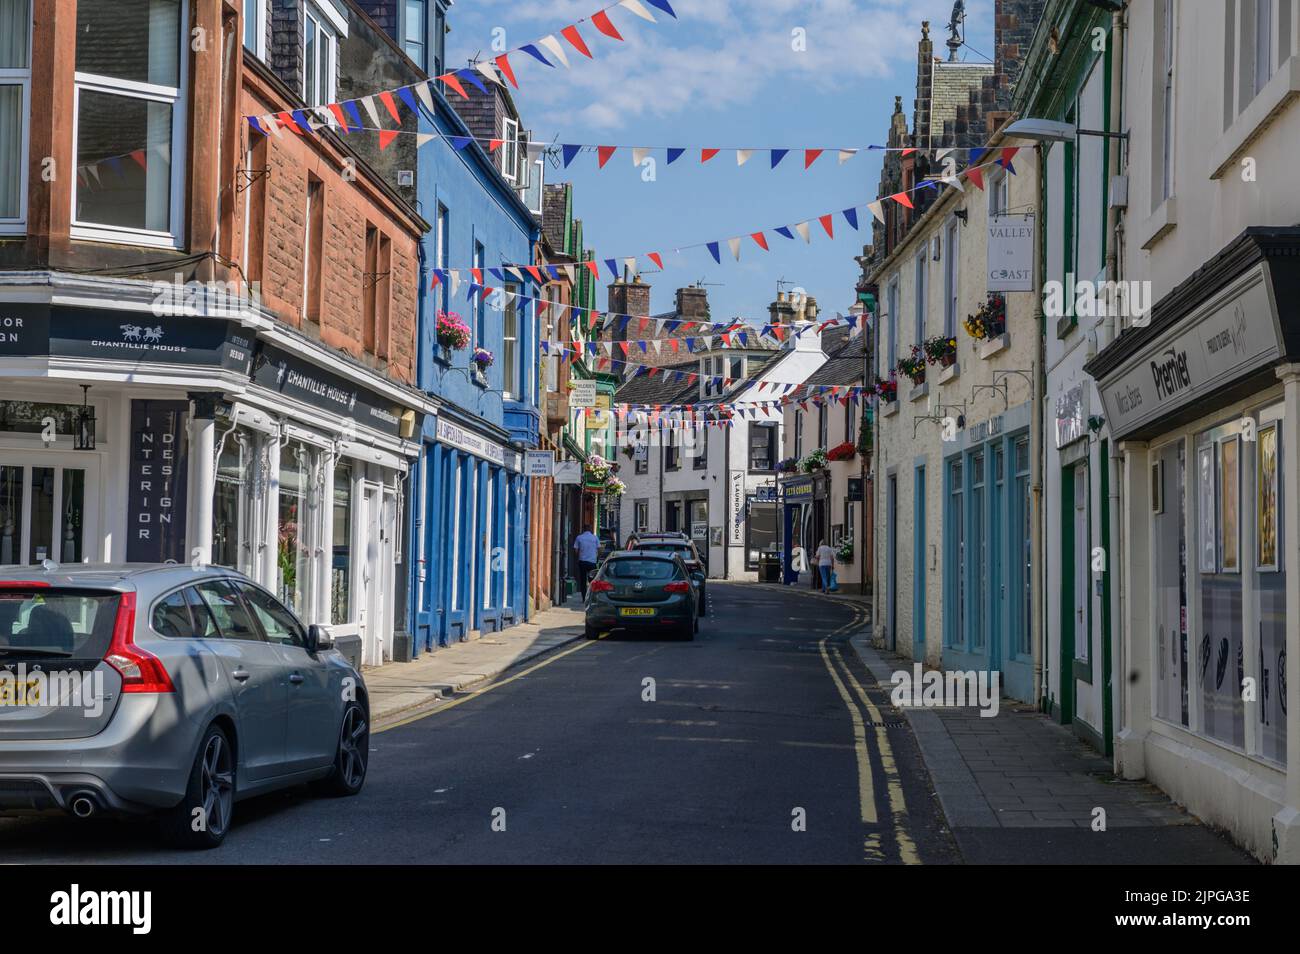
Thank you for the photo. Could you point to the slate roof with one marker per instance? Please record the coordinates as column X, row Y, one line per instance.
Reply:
column 660, row 388
column 843, row 366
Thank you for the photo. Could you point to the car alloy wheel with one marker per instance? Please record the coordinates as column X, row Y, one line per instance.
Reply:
column 217, row 784
column 354, row 747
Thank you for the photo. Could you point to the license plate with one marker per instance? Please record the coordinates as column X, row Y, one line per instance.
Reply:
column 14, row 693
column 636, row 611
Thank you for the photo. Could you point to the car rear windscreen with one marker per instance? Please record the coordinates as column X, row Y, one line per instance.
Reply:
column 58, row 623
column 633, row 569
column 686, row 552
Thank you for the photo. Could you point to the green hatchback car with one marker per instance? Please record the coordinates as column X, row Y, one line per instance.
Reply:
column 639, row 591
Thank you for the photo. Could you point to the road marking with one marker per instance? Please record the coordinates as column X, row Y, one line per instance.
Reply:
column 897, row 804
column 475, row 693
column 866, row 786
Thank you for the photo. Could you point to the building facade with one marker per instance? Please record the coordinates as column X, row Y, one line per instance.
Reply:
column 199, row 364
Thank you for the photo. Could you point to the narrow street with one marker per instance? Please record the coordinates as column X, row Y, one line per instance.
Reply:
column 766, row 712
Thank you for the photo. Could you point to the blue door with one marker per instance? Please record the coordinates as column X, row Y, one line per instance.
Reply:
column 918, row 566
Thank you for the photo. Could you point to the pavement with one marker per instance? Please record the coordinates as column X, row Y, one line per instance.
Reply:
column 396, row 688
column 1018, row 788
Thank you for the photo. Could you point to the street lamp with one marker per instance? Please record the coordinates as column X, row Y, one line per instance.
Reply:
column 1049, row 130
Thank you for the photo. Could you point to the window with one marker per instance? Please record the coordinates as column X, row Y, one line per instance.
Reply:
column 1168, row 536
column 701, row 448
column 171, row 616
column 536, row 174
column 439, row 39
column 277, row 622
column 956, row 555
column 15, row 107
column 476, row 331
column 892, row 351
column 440, row 256
column 798, row 434
column 977, row 566
column 341, row 561
column 736, row 369
column 296, row 533
column 822, row 427
column 762, row 448
column 319, row 54
column 920, row 268
column 642, row 518
column 510, row 342
column 255, row 27
column 1163, row 102
column 228, row 612
column 368, row 298
column 999, row 192
column 415, row 31
column 129, row 127
column 510, row 149
column 313, row 243
column 951, row 279
column 672, row 450
column 1263, row 43
column 849, row 408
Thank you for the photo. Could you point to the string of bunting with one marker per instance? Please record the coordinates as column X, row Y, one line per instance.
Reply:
column 347, row 112
column 725, row 412
column 974, row 174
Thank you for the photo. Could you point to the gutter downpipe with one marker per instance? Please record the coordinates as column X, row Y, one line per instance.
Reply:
column 1041, row 668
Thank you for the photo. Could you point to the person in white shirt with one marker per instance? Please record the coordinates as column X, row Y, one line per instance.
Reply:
column 587, row 546
column 825, row 562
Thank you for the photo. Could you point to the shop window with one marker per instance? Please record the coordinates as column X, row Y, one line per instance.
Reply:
column 15, row 107
column 1024, row 549
column 231, row 529
column 1270, row 588
column 28, row 417
column 977, row 566
column 1221, row 649
column 12, row 495
column 955, row 532
column 295, row 511
column 760, row 530
column 341, row 560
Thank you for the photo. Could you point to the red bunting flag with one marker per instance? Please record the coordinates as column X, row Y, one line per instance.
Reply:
column 537, row 276
column 503, row 64
column 451, row 80
column 286, row 122
column 603, row 153
column 810, row 156
column 902, row 199
column 707, row 154
column 138, row 156
column 1007, row 155
column 760, row 240
column 601, row 22
column 390, row 104
column 386, row 137
column 478, row 275
column 654, row 257
column 826, row 221
column 571, row 34
column 494, row 144
column 672, row 343
column 594, row 267
column 976, row 176
column 337, row 110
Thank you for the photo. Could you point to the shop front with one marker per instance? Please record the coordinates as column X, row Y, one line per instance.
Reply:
column 127, row 436
column 804, row 524
column 1204, row 403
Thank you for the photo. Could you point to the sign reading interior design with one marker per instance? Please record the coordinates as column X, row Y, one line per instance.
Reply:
column 156, row 482
column 295, row 378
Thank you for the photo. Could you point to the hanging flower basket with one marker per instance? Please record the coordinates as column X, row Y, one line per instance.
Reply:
column 596, row 473
column 940, row 350
column 886, row 389
column 913, row 366
column 483, row 358
column 453, row 333
column 788, row 466
column 614, row 487
column 845, row 451
column 813, row 462
column 844, row 553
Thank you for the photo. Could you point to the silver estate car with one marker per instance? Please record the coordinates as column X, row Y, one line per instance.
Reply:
column 136, row 688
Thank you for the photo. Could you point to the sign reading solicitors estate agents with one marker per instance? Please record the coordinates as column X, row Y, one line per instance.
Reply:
column 1231, row 334
column 67, row 331
column 291, row 376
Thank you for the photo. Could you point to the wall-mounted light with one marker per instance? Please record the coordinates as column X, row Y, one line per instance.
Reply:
column 85, row 434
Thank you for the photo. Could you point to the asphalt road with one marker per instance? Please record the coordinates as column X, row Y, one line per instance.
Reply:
column 763, row 744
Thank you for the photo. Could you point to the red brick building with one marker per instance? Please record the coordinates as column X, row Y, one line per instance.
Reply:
column 172, row 278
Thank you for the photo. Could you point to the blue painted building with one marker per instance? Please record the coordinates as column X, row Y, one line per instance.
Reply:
column 470, row 499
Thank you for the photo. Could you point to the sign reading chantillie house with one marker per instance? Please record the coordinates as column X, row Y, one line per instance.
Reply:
column 156, row 499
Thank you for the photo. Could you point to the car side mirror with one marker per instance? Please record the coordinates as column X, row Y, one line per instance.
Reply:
column 318, row 639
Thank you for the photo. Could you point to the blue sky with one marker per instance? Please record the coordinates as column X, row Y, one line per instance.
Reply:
column 724, row 73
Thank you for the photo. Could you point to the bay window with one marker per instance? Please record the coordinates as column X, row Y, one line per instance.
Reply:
column 129, row 128
column 15, row 106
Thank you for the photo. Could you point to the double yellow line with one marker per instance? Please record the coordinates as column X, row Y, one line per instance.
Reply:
column 831, row 655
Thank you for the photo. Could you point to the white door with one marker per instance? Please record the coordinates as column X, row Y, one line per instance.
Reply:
column 370, row 614
column 48, row 508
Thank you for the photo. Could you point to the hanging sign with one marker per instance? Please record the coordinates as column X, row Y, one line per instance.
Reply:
column 539, row 463
column 736, row 505
column 582, row 394
column 1071, row 415
column 568, row 472
column 156, row 482
column 1011, row 253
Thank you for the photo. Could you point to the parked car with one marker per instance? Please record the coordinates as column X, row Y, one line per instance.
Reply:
column 635, row 590
column 685, row 549
column 638, row 537
column 195, row 688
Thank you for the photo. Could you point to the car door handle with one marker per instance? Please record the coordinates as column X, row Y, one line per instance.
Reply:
column 241, row 674
column 295, row 679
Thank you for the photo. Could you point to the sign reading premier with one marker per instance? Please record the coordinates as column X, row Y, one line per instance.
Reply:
column 1236, row 333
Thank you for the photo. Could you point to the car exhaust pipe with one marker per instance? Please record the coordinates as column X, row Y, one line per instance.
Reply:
column 83, row 805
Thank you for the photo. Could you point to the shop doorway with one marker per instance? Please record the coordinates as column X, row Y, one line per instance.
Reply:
column 378, row 519
column 48, row 508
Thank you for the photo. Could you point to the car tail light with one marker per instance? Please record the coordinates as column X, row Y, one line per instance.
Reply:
column 22, row 584
column 601, row 586
column 678, row 586
column 141, row 670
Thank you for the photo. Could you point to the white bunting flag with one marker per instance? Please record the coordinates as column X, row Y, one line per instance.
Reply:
column 368, row 102
column 552, row 44
column 877, row 211
column 635, row 6
column 272, row 123
column 422, row 91
column 735, row 247
column 488, row 70
column 742, row 156
column 638, row 154
column 455, row 281
column 802, row 229
column 846, row 155
column 955, row 182
column 423, row 139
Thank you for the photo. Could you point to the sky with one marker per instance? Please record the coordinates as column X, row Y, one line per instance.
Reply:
column 725, row 73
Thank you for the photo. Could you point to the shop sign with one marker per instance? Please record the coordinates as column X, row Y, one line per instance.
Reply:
column 1071, row 416
column 568, row 472
column 285, row 374
column 67, row 331
column 736, row 498
column 798, row 490
column 1011, row 253
column 1230, row 336
column 582, row 394
column 765, row 494
column 854, row 491
column 476, row 444
column 156, row 482
column 539, row 463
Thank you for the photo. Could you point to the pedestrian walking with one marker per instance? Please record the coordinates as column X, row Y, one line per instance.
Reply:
column 586, row 545
column 825, row 564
